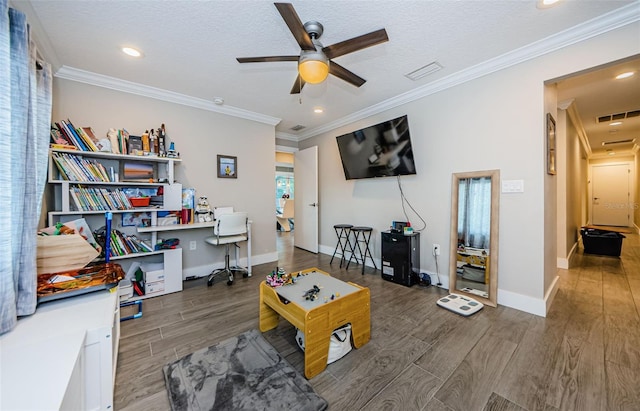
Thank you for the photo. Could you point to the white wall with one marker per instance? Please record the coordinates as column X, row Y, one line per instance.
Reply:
column 199, row 136
column 494, row 122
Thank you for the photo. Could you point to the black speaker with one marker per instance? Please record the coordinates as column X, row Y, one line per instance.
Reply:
column 401, row 257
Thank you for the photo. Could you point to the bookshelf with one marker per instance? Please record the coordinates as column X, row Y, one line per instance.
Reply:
column 86, row 184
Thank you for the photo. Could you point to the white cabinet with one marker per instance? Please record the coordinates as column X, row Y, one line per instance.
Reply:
column 64, row 356
column 87, row 184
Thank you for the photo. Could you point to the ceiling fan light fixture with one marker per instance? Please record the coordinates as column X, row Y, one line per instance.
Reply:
column 313, row 67
column 313, row 71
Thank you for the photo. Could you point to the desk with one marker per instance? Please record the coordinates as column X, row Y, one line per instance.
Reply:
column 154, row 229
column 317, row 319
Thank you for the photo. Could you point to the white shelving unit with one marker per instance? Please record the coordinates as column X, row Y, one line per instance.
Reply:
column 64, row 356
column 65, row 209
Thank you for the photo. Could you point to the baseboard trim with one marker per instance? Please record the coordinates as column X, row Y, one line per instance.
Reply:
column 550, row 295
column 522, row 302
column 565, row 263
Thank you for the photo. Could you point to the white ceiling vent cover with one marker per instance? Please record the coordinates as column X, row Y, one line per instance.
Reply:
column 608, row 143
column 424, row 71
column 617, row 116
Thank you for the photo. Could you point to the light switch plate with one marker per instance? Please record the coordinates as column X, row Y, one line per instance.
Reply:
column 513, row 186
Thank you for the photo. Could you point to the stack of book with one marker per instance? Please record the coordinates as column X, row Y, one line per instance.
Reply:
column 99, row 199
column 65, row 135
column 122, row 244
column 76, row 168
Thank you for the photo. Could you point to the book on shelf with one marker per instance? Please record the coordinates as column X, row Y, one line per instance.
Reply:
column 86, row 139
column 122, row 244
column 123, row 141
column 70, row 133
column 135, row 145
column 99, row 199
column 57, row 138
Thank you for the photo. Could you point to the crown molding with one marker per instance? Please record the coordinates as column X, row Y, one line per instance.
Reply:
column 592, row 28
column 574, row 115
column 286, row 136
column 113, row 83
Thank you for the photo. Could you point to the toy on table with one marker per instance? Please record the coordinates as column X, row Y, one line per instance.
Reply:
column 312, row 293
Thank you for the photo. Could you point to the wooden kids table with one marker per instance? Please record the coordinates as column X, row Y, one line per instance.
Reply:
column 317, row 319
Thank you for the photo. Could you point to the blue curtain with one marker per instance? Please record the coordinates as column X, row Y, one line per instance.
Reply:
column 25, row 118
column 474, row 212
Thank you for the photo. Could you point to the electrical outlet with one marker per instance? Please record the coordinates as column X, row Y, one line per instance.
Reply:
column 192, row 245
column 436, row 249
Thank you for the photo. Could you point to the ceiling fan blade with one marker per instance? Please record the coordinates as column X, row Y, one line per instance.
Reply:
column 346, row 75
column 290, row 17
column 356, row 43
column 266, row 59
column 297, row 86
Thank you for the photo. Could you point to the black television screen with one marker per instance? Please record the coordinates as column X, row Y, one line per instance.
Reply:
column 382, row 150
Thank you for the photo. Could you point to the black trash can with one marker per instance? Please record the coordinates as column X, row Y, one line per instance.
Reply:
column 602, row 242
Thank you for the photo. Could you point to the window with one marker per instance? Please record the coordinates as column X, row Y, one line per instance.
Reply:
column 284, row 185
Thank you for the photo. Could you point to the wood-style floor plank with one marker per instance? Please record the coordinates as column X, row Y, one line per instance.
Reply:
column 585, row 355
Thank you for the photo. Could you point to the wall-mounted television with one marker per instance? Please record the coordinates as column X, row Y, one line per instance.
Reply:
column 382, row 150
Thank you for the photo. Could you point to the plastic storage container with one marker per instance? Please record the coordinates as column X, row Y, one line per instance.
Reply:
column 602, row 242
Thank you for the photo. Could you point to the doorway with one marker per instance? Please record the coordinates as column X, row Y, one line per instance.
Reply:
column 611, row 195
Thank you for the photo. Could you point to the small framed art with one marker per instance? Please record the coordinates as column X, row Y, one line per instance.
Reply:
column 227, row 166
column 551, row 145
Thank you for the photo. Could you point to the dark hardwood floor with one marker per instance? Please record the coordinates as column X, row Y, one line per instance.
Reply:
column 585, row 355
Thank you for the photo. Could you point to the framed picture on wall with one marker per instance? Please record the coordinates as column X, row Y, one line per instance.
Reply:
column 227, row 166
column 551, row 145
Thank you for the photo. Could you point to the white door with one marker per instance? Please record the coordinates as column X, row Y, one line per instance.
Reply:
column 305, row 173
column 610, row 195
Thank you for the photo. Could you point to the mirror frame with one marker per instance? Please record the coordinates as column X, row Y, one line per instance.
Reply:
column 493, row 242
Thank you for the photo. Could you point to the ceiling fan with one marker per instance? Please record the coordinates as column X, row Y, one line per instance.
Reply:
column 314, row 61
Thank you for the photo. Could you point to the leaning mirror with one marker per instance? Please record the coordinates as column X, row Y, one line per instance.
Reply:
column 475, row 201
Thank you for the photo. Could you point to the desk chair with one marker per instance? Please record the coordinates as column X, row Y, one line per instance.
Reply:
column 287, row 213
column 229, row 228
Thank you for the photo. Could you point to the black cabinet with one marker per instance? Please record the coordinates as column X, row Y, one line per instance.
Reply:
column 401, row 257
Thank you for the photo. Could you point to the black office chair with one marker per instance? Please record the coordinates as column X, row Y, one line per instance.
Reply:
column 229, row 229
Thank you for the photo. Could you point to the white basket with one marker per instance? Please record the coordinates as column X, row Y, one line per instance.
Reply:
column 339, row 344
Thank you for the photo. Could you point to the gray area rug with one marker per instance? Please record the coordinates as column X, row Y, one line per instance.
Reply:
column 241, row 373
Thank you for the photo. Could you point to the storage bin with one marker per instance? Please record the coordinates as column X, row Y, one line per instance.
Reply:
column 125, row 290
column 154, row 287
column 601, row 242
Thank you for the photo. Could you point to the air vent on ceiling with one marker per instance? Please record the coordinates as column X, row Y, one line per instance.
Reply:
column 424, row 71
column 608, row 143
column 298, row 127
column 618, row 116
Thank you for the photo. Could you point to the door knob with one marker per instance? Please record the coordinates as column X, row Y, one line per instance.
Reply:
column 313, row 204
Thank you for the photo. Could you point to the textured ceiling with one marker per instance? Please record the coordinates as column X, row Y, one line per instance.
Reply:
column 190, row 46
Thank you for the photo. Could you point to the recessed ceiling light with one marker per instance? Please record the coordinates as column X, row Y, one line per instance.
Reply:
column 318, row 110
column 543, row 4
column 624, row 75
column 131, row 51
column 615, row 123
